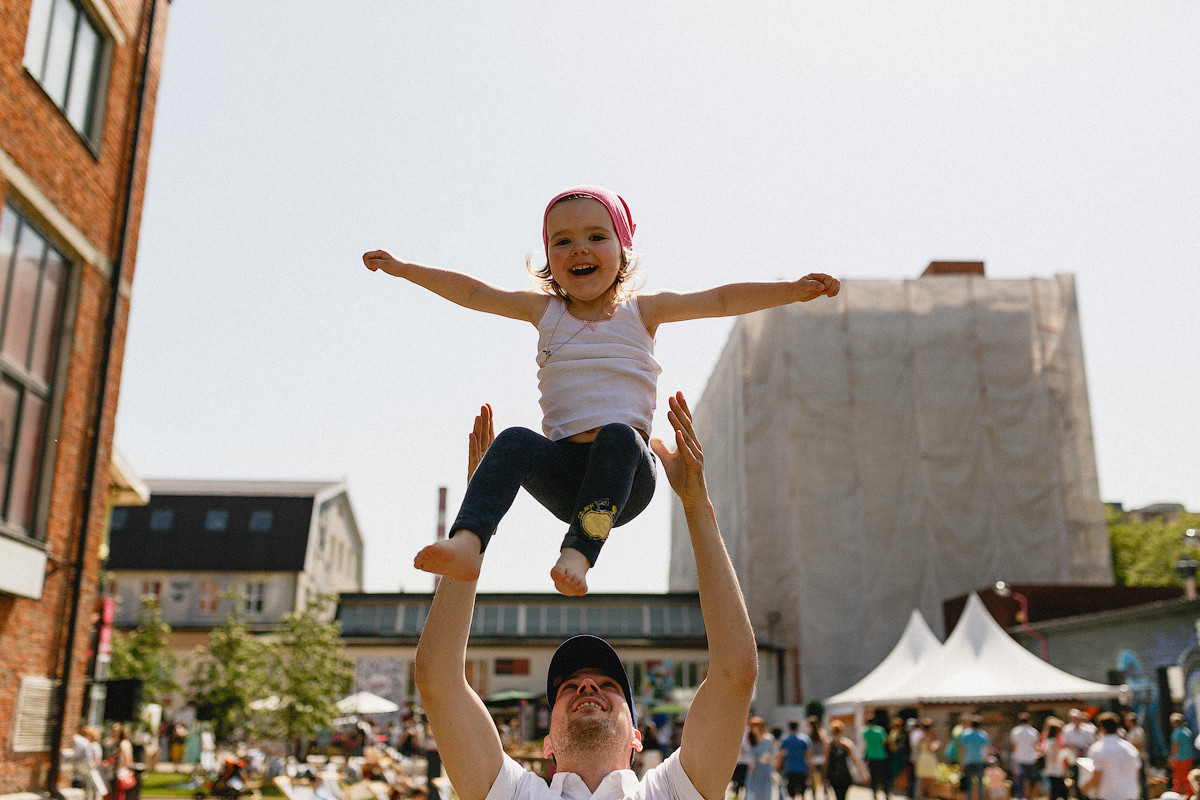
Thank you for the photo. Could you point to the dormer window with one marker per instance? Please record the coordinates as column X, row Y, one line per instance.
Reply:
column 262, row 521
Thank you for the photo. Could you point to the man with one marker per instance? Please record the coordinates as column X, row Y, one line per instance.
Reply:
column 1077, row 735
column 1180, row 757
column 1025, row 739
column 875, row 753
column 1115, row 764
column 972, row 751
column 1135, row 734
column 592, row 734
column 795, row 759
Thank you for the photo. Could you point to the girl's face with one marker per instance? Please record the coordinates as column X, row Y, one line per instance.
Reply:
column 583, row 249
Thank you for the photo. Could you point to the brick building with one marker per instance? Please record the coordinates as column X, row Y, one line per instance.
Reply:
column 77, row 95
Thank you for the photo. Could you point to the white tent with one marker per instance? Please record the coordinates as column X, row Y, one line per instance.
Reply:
column 916, row 646
column 980, row 662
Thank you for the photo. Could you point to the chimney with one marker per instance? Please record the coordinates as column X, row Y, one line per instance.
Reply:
column 953, row 268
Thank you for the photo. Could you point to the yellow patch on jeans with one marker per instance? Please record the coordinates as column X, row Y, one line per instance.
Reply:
column 596, row 524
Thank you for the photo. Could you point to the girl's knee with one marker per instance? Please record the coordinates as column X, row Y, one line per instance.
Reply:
column 617, row 433
column 514, row 437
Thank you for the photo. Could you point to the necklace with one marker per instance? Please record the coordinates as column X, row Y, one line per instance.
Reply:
column 544, row 355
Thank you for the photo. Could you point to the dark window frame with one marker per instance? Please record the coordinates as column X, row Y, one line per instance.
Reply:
column 45, row 24
column 33, row 379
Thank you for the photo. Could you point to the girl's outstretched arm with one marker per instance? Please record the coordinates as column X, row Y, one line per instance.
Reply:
column 461, row 289
column 732, row 299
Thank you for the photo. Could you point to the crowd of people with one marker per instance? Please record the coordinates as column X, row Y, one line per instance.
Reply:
column 1104, row 759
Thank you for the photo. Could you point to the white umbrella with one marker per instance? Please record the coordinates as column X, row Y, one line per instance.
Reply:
column 266, row 704
column 366, row 703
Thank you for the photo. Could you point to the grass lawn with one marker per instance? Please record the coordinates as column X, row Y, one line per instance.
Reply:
column 174, row 784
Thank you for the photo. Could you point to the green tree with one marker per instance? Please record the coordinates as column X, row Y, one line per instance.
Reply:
column 144, row 653
column 229, row 674
column 309, row 672
column 1145, row 553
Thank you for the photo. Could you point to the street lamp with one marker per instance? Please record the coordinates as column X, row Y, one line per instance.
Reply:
column 1004, row 590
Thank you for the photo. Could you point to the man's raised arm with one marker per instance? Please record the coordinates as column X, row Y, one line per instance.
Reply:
column 467, row 739
column 717, row 717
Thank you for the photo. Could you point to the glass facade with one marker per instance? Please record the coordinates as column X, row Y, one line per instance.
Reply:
column 666, row 620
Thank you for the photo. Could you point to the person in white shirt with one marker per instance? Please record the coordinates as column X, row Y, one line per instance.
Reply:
column 1026, row 776
column 1115, row 764
column 1077, row 735
column 593, row 734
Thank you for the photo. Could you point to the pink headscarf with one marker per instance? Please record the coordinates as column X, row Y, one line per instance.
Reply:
column 617, row 209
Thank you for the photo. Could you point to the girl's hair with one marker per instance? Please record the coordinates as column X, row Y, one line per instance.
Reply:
column 624, row 286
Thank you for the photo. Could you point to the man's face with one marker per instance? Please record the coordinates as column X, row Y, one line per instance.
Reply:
column 590, row 715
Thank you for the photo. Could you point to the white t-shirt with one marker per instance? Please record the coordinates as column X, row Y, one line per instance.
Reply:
column 1079, row 737
column 667, row 781
column 1117, row 762
column 1024, row 740
column 914, row 743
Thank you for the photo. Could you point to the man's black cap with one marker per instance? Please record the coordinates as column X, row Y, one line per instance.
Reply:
column 587, row 652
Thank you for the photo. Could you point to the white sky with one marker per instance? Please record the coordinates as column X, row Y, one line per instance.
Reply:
column 755, row 140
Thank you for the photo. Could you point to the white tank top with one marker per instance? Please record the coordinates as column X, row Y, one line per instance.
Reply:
column 593, row 374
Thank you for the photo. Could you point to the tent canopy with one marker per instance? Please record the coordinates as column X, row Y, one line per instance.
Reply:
column 916, row 646
column 980, row 662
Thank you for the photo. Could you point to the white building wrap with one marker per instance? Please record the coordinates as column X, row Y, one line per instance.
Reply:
column 905, row 442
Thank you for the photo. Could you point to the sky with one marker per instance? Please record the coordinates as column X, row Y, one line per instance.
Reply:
column 752, row 141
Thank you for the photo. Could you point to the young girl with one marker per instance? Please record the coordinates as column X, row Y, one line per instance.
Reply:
column 594, row 468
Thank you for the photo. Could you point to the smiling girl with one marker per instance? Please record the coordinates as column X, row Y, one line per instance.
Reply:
column 594, row 467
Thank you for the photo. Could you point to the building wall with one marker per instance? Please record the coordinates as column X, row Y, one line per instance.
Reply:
column 197, row 599
column 335, row 561
column 73, row 195
column 905, row 442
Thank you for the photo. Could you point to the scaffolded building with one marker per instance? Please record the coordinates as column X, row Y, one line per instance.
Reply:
column 908, row 441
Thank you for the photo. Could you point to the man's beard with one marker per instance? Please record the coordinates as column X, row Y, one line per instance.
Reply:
column 589, row 736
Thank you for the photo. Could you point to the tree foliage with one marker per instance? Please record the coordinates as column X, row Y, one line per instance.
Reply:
column 309, row 671
column 229, row 674
column 1145, row 553
column 144, row 653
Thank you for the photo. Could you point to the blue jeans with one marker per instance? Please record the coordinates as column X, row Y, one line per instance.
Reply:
column 592, row 486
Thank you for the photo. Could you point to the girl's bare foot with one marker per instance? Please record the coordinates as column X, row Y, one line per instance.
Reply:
column 457, row 558
column 570, row 573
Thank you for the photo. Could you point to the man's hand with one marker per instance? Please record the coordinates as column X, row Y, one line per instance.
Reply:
column 815, row 284
column 685, row 466
column 480, row 439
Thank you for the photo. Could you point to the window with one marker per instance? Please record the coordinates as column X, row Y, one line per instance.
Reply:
column 152, row 589
column 511, row 666
column 216, row 520
column 119, row 519
column 161, row 519
column 33, row 288
column 210, row 597
column 261, row 521
column 255, row 592
column 34, row 727
column 64, row 52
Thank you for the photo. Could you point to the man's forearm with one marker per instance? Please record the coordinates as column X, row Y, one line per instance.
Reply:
column 733, row 653
column 442, row 650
